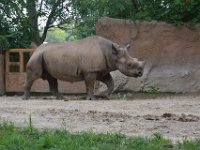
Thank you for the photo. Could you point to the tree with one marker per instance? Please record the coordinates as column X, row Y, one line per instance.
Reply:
column 178, row 12
column 23, row 21
column 22, row 18
column 87, row 12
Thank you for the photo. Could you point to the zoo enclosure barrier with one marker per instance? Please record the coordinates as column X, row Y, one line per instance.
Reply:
column 15, row 68
column 15, row 75
column 2, row 81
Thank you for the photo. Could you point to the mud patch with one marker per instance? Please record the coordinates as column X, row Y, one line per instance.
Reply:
column 170, row 116
column 108, row 117
column 93, row 115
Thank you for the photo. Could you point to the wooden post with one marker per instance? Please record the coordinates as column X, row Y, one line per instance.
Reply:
column 7, row 57
column 2, row 73
column 21, row 59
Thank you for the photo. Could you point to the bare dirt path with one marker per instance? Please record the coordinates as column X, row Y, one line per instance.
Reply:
column 175, row 118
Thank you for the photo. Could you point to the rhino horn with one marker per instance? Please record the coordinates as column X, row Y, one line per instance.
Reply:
column 128, row 46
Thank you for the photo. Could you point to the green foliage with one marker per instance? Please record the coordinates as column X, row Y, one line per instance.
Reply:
column 13, row 40
column 21, row 20
column 178, row 12
column 56, row 34
column 87, row 12
column 11, row 30
column 189, row 145
column 173, row 11
column 9, row 36
column 153, row 89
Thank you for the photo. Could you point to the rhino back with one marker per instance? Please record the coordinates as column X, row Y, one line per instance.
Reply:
column 70, row 60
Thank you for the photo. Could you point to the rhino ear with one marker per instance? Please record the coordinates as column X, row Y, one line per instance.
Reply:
column 143, row 63
column 128, row 46
column 115, row 48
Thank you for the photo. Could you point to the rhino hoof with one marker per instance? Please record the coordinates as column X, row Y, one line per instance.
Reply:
column 102, row 97
column 60, row 97
column 25, row 97
column 90, row 98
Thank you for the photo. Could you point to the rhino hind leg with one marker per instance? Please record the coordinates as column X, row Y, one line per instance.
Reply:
column 53, row 85
column 27, row 89
column 107, row 79
column 90, row 79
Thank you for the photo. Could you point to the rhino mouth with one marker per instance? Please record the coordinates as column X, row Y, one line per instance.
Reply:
column 137, row 75
column 134, row 75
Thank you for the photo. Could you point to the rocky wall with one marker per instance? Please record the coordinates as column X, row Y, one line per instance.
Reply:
column 172, row 54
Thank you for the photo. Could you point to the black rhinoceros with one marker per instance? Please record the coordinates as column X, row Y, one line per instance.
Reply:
column 89, row 59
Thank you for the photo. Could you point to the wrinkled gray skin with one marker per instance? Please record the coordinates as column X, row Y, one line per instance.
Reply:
column 89, row 59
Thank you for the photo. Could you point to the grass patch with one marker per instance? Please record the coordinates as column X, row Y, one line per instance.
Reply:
column 122, row 95
column 128, row 95
column 13, row 138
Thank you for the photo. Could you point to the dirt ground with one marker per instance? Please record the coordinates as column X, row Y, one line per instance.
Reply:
column 176, row 117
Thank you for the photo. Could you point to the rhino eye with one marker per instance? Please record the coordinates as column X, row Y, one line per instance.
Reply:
column 129, row 65
column 135, row 65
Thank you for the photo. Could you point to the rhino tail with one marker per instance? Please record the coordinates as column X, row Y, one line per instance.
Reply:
column 44, row 71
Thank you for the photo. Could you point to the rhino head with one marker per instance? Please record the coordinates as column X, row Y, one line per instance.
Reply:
column 126, row 64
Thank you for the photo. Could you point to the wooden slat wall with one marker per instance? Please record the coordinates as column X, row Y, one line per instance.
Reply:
column 15, row 80
column 21, row 58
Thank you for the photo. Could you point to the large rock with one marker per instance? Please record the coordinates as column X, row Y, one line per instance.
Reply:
column 172, row 54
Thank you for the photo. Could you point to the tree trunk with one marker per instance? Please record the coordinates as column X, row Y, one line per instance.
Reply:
column 33, row 22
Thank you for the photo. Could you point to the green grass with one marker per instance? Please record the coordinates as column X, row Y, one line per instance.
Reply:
column 13, row 138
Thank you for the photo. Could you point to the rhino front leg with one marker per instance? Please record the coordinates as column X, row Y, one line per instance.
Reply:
column 107, row 79
column 90, row 79
column 53, row 85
